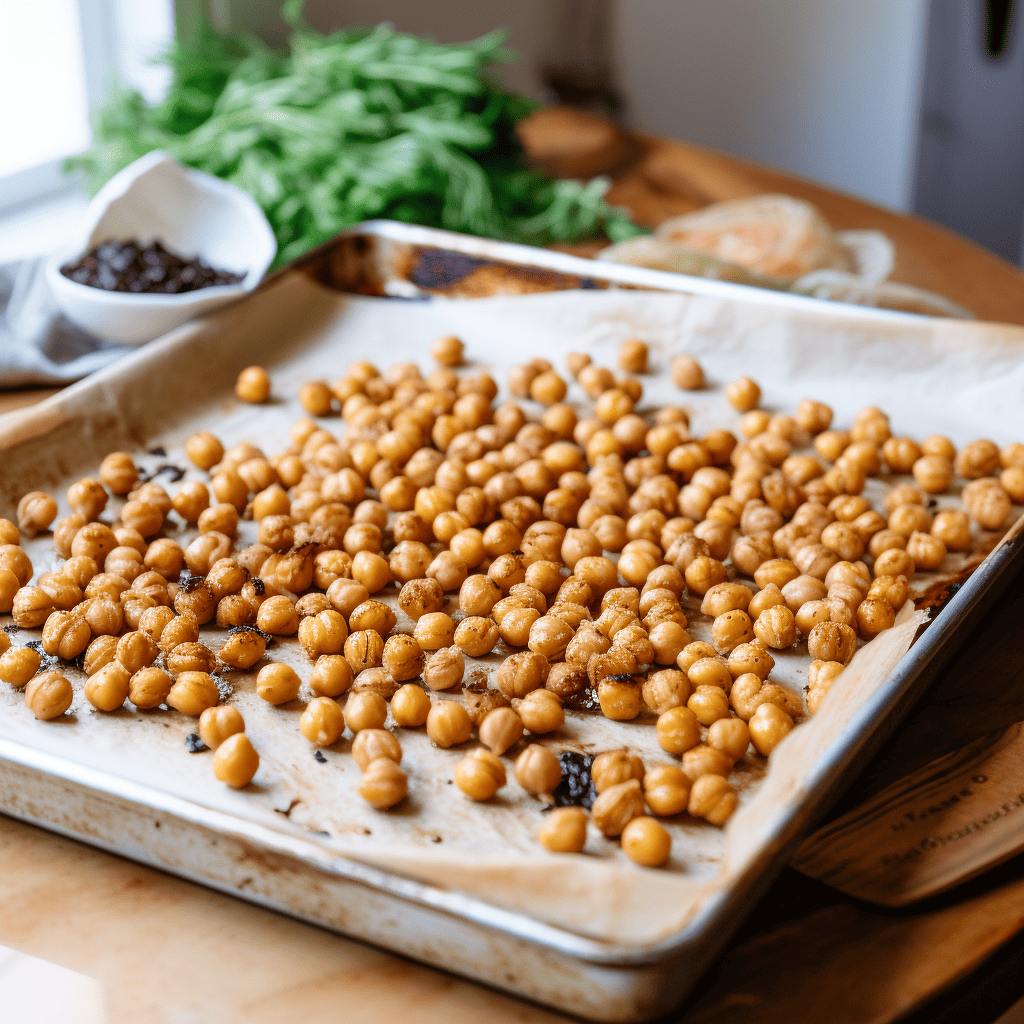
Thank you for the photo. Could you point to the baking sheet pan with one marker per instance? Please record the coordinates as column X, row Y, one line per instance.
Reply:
column 555, row 942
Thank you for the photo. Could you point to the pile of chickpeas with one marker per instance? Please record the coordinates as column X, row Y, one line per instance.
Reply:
column 428, row 493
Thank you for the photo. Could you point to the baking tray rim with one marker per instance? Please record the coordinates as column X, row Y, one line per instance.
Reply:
column 535, row 257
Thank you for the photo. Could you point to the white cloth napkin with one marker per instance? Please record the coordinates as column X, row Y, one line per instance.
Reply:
column 38, row 344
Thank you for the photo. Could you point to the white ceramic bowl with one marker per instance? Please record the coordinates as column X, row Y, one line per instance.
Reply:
column 193, row 214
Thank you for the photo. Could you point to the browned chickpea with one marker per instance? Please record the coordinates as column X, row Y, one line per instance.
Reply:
column 410, row 706
column 434, row 630
column 421, row 597
column 564, row 830
column 743, row 394
column 799, row 591
column 614, row 766
column 204, row 450
column 541, row 711
column 324, row 633
column 713, row 799
column 136, row 650
column 18, row 665
column 445, row 669
column 989, row 507
column 235, row 761
column 894, row 562
column 218, row 724
column 501, row 729
column 646, row 842
column 768, row 726
column 36, row 511
column 687, row 373
column 537, row 770
column 87, row 497
column 927, row 551
column 617, row 806
column 448, row 724
column 873, row 617
column 953, row 528
column 66, row 635
column 277, row 683
column 776, row 627
column 331, row 676
column 933, row 473
column 364, row 649
column 9, row 532
column 730, row 629
column 277, row 616
column 383, row 784
column 678, row 730
column 108, row 688
column 322, row 723
column 193, row 692
column 48, row 696
column 253, row 385
column 365, row 710
column 31, row 608
column 480, row 775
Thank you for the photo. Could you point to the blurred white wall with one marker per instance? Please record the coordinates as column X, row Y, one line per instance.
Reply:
column 829, row 89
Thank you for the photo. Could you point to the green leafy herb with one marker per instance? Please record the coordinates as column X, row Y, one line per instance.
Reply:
column 345, row 127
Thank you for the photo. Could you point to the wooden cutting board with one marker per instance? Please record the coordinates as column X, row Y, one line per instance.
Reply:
column 931, row 830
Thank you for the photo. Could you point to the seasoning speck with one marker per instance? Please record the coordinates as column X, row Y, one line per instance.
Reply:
column 193, row 744
column 320, row 757
column 577, row 787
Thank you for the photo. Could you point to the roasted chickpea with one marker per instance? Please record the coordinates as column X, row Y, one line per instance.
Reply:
column 48, row 695
column 538, row 770
column 480, row 775
column 253, row 385
column 448, row 724
column 365, row 710
column 193, row 692
column 36, row 511
column 646, row 842
column 277, row 683
column 743, row 394
column 564, row 830
column 541, row 711
column 776, row 627
column 410, row 706
column 953, row 528
column 235, row 761
column 709, row 671
column 445, row 669
column 678, row 730
column 277, row 616
column 713, row 799
column 331, row 676
column 873, row 617
column 768, row 726
column 218, row 724
column 18, row 665
column 108, row 688
column 383, row 784
column 324, row 633
column 364, row 649
column 322, row 723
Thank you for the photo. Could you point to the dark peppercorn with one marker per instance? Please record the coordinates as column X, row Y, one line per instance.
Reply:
column 117, row 266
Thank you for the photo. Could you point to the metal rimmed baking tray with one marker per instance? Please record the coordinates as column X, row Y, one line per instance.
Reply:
column 158, row 812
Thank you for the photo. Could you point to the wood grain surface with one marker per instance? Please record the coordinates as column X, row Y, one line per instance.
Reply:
column 164, row 947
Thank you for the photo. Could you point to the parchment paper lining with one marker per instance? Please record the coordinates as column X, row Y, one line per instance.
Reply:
column 965, row 380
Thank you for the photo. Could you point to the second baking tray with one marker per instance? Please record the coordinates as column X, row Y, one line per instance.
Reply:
column 152, row 396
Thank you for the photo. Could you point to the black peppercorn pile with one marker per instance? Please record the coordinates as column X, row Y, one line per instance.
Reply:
column 130, row 267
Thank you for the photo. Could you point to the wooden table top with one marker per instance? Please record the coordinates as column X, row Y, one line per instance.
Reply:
column 164, row 947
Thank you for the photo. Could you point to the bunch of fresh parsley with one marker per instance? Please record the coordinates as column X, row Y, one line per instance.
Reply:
column 345, row 127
